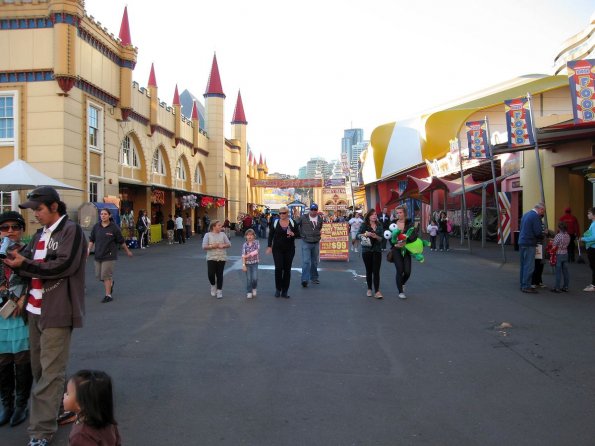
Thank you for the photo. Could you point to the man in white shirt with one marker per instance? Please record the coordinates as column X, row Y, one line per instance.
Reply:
column 180, row 229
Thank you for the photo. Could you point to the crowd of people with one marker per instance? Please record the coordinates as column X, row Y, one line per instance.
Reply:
column 42, row 285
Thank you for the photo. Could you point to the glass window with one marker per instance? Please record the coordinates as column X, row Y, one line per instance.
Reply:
column 128, row 153
column 93, row 128
column 93, row 191
column 197, row 176
column 158, row 164
column 180, row 172
column 5, row 201
column 6, row 118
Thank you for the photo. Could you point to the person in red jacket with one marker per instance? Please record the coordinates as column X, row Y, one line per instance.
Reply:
column 572, row 229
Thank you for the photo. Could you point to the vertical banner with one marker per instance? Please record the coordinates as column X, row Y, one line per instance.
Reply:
column 477, row 139
column 334, row 241
column 581, row 76
column 518, row 122
column 505, row 216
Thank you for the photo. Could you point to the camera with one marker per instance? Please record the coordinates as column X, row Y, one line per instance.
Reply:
column 5, row 246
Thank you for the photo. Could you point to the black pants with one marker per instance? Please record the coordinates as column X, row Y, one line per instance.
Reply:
column 372, row 261
column 283, row 259
column 591, row 257
column 180, row 236
column 215, row 271
column 537, row 277
column 403, row 267
column 571, row 246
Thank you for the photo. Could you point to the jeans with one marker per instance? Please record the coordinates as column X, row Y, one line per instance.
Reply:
column 251, row 277
column 433, row 242
column 443, row 236
column 403, row 267
column 562, row 270
column 527, row 265
column 310, row 253
column 372, row 261
column 215, row 272
column 50, row 349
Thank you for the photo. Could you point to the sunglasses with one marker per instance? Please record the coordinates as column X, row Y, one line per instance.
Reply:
column 5, row 228
column 33, row 195
column 282, row 213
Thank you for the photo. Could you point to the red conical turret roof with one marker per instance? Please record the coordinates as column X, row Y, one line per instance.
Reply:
column 125, row 29
column 214, row 87
column 238, row 114
column 176, row 96
column 260, row 160
column 194, row 111
column 152, row 80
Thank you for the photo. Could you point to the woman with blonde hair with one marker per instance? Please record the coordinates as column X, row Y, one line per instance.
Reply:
column 281, row 243
column 402, row 257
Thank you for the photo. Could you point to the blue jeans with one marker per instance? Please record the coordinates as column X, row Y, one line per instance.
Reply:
column 310, row 252
column 527, row 265
column 562, row 270
column 251, row 277
column 443, row 237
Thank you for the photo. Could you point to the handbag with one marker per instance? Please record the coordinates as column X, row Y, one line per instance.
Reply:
column 365, row 241
column 389, row 256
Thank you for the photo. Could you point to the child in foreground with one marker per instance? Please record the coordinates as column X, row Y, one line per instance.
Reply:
column 89, row 395
column 250, row 262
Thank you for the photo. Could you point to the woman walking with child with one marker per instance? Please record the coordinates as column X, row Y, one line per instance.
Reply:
column 215, row 242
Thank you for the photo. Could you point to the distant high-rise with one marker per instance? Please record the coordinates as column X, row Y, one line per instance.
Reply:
column 355, row 164
column 303, row 172
column 316, row 168
column 351, row 137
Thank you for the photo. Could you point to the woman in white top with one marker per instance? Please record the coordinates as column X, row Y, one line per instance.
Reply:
column 215, row 242
column 355, row 223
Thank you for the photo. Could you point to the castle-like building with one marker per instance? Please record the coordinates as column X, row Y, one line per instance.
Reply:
column 69, row 107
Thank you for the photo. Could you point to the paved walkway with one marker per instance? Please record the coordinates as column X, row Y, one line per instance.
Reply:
column 331, row 367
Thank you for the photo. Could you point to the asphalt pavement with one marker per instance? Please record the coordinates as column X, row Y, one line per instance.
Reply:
column 330, row 366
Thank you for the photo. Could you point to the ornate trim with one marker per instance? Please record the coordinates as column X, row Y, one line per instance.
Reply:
column 230, row 167
column 26, row 76
column 39, row 22
column 139, row 118
column 88, row 37
column 184, row 142
column 96, row 92
column 201, row 151
column 162, row 130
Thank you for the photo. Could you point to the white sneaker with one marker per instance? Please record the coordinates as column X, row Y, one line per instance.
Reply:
column 213, row 290
column 402, row 296
column 219, row 294
column 254, row 292
column 590, row 288
column 249, row 295
column 354, row 249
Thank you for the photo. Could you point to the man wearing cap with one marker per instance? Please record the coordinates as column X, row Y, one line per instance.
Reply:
column 55, row 261
column 310, row 226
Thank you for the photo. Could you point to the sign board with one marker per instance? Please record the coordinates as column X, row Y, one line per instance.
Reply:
column 286, row 184
column 334, row 241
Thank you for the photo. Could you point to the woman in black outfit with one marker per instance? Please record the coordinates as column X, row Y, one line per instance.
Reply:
column 443, row 232
column 402, row 257
column 372, row 255
column 282, row 234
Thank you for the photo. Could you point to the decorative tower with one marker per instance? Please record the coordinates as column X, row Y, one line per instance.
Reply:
column 260, row 176
column 65, row 16
column 153, row 90
column 238, row 133
column 178, row 118
column 195, row 128
column 215, row 168
column 128, row 55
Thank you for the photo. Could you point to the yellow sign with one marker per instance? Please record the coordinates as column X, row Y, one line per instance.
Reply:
column 334, row 241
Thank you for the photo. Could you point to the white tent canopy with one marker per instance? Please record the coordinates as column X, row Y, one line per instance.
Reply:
column 19, row 175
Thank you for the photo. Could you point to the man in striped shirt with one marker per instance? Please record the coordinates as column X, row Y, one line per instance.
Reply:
column 55, row 261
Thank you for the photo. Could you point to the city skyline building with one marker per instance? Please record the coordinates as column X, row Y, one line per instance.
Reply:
column 350, row 138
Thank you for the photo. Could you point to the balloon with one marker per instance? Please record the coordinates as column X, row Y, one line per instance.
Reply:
column 387, row 234
column 392, row 226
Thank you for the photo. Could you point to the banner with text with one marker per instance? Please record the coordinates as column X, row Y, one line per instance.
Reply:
column 286, row 184
column 581, row 76
column 477, row 139
column 518, row 122
column 334, row 241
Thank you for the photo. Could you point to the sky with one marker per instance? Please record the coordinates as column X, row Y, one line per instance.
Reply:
column 308, row 70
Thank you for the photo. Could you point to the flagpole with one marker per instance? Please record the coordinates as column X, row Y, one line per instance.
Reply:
column 538, row 160
column 464, row 210
column 489, row 145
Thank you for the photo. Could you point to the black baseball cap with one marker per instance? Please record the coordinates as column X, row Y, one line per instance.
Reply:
column 43, row 194
column 12, row 216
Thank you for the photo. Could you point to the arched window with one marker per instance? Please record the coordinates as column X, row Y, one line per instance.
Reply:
column 180, row 171
column 197, row 175
column 158, row 165
column 128, row 153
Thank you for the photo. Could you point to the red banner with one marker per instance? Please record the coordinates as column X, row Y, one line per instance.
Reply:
column 286, row 184
column 334, row 241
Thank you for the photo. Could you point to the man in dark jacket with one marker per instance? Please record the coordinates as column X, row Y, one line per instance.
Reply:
column 531, row 233
column 55, row 261
column 310, row 225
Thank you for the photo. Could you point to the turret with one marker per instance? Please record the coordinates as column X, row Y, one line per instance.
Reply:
column 128, row 55
column 153, row 91
column 178, row 118
column 195, row 128
column 238, row 132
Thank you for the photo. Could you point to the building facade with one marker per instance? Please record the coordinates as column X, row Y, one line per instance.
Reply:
column 70, row 109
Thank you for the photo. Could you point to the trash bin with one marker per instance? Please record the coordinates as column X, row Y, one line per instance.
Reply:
column 516, row 235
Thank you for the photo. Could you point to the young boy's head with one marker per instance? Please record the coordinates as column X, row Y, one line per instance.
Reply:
column 250, row 234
